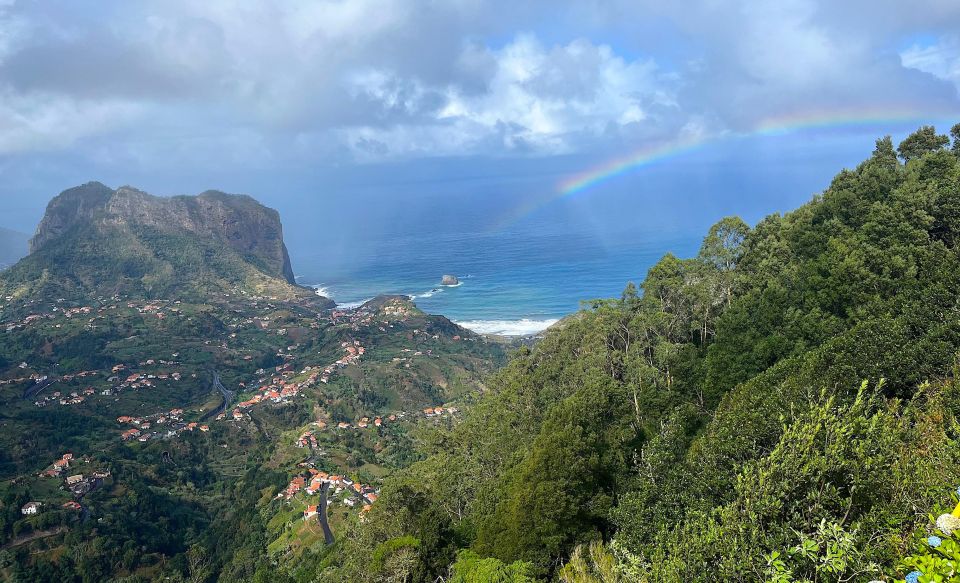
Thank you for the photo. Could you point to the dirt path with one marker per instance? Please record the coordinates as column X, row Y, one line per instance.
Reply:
column 34, row 536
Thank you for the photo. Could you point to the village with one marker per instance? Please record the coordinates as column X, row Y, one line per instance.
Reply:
column 77, row 484
column 350, row 493
column 274, row 386
column 279, row 389
column 172, row 420
column 152, row 307
column 355, row 494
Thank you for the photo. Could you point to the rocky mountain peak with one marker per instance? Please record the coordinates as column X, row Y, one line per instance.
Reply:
column 237, row 221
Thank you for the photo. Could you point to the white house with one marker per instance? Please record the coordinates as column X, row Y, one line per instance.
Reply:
column 31, row 507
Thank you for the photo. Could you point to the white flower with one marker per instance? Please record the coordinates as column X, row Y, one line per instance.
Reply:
column 948, row 523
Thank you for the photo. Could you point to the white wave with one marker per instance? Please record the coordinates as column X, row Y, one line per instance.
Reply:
column 427, row 294
column 458, row 284
column 323, row 290
column 352, row 305
column 522, row 327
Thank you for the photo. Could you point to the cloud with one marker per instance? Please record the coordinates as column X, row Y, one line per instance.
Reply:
column 43, row 121
column 537, row 99
column 941, row 59
column 363, row 80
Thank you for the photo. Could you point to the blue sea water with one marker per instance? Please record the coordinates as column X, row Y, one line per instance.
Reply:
column 525, row 255
column 512, row 282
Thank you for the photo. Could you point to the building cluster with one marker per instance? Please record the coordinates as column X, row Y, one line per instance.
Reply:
column 307, row 439
column 350, row 493
column 282, row 387
column 140, row 380
column 366, row 422
column 79, row 484
column 152, row 307
column 117, row 376
column 71, row 398
column 354, row 318
column 157, row 426
column 59, row 466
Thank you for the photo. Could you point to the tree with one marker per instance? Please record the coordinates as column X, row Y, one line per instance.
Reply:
column 921, row 142
column 593, row 564
column 722, row 249
column 884, row 150
column 471, row 568
column 723, row 245
column 955, row 134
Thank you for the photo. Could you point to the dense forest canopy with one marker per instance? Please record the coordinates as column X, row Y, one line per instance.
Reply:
column 780, row 407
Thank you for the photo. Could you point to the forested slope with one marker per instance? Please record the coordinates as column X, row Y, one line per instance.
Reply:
column 780, row 407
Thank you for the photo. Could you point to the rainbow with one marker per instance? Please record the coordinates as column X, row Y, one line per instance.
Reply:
column 840, row 120
column 843, row 119
column 617, row 167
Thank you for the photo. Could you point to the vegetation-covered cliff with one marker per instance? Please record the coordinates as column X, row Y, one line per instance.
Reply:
column 93, row 238
column 780, row 407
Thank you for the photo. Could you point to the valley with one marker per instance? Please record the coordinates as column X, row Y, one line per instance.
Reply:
column 213, row 405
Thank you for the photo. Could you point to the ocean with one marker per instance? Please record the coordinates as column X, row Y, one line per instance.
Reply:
column 526, row 253
column 513, row 282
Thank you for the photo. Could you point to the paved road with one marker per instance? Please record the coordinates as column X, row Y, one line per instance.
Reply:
column 322, row 514
column 34, row 389
column 226, row 393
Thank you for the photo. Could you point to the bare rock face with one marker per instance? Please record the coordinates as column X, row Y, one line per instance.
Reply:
column 449, row 280
column 71, row 207
column 237, row 221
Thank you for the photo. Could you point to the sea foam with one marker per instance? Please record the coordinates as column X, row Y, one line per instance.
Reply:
column 352, row 305
column 522, row 327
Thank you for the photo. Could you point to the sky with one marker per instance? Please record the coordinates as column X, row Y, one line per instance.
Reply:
column 354, row 116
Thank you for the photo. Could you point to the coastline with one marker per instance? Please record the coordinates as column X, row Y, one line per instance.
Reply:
column 506, row 327
column 511, row 328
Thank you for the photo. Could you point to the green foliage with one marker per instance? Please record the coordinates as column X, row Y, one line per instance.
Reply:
column 935, row 563
column 592, row 564
column 393, row 554
column 711, row 424
column 829, row 554
column 921, row 142
column 471, row 568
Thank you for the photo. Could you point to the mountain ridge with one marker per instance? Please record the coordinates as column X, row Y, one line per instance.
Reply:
column 94, row 201
column 125, row 240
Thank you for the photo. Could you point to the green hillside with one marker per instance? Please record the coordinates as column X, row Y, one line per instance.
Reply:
column 162, row 381
column 97, row 240
column 780, row 407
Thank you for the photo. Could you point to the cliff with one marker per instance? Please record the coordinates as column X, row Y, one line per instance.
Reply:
column 94, row 238
column 237, row 221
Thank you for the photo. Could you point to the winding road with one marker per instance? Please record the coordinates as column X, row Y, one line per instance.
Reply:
column 226, row 393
